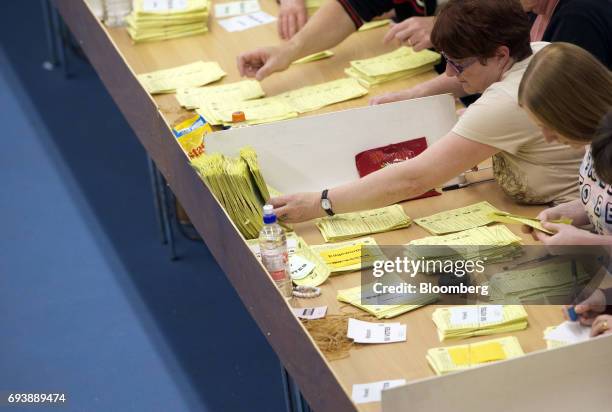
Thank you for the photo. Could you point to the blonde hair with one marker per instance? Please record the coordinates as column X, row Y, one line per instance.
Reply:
column 568, row 90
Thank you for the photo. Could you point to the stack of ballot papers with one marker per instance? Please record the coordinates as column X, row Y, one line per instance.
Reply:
column 196, row 97
column 284, row 106
column 566, row 334
column 493, row 243
column 307, row 267
column 539, row 283
column 238, row 185
column 152, row 20
column 509, row 218
column 478, row 320
column 349, row 225
column 456, row 358
column 456, row 220
column 189, row 75
column 349, row 256
column 399, row 64
column 383, row 306
column 368, row 332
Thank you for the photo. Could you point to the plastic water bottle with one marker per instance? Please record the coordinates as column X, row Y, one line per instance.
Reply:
column 273, row 249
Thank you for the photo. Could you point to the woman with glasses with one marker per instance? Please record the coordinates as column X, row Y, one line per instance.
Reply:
column 487, row 48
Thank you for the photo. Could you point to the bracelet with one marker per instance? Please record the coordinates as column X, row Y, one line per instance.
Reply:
column 306, row 292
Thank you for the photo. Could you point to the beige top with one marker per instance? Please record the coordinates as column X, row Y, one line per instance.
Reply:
column 527, row 168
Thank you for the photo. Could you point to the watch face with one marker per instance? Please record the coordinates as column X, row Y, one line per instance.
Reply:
column 325, row 204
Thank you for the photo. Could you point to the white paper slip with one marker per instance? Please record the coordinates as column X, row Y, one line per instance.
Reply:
column 236, row 8
column 310, row 313
column 163, row 5
column 372, row 392
column 300, row 267
column 569, row 332
column 478, row 315
column 367, row 332
column 247, row 21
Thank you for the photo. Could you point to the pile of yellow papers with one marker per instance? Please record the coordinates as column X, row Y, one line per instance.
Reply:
column 350, row 256
column 493, row 243
column 350, row 225
column 399, row 64
column 456, row 358
column 314, row 57
column 542, row 282
column 505, row 217
column 219, row 110
column 513, row 318
column 456, row 220
column 167, row 19
column 189, row 75
column 239, row 187
column 384, row 306
column 195, row 97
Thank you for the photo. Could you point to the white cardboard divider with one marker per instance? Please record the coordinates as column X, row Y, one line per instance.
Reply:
column 315, row 152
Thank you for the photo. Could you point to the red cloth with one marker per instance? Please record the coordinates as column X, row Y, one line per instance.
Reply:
column 375, row 159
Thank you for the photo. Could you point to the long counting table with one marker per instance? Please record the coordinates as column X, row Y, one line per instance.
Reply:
column 326, row 385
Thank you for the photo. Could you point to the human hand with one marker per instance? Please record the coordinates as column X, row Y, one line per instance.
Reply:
column 414, row 32
column 601, row 325
column 262, row 62
column 565, row 235
column 297, row 207
column 589, row 309
column 291, row 17
column 390, row 97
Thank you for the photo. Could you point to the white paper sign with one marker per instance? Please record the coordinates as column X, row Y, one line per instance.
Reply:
column 479, row 315
column 367, row 332
column 247, row 21
column 236, row 8
column 163, row 5
column 372, row 392
column 569, row 332
column 300, row 267
column 310, row 313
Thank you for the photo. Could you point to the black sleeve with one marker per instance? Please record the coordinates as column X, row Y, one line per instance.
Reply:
column 608, row 294
column 365, row 10
column 582, row 29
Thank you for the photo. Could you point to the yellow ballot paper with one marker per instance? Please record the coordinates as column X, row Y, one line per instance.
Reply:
column 195, row 97
column 509, row 218
column 480, row 236
column 314, row 57
column 456, row 220
column 350, row 225
column 351, row 255
column 189, row 75
column 382, row 305
column 478, row 320
column 400, row 63
column 315, row 97
column 268, row 109
column 374, row 24
column 456, row 358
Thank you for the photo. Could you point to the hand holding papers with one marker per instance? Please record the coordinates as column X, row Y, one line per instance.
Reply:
column 478, row 320
column 505, row 217
column 455, row 358
column 367, row 332
column 189, row 75
column 349, row 225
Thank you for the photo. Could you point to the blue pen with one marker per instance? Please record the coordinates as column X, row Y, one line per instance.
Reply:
column 572, row 314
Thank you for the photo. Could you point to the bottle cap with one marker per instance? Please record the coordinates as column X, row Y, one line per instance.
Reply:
column 268, row 214
column 571, row 312
column 238, row 117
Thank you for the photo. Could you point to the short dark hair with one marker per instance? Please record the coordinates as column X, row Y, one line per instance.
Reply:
column 601, row 150
column 476, row 28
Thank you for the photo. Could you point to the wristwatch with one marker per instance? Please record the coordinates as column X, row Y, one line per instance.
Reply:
column 326, row 203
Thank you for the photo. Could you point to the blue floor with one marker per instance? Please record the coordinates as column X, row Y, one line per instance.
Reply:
column 90, row 304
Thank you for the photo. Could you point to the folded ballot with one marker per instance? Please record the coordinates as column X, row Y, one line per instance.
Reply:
column 349, row 225
column 456, row 358
column 189, row 75
column 152, row 20
column 384, row 305
column 399, row 64
column 509, row 218
column 478, row 320
column 542, row 282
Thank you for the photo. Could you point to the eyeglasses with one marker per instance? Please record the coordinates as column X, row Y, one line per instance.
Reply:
column 458, row 67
